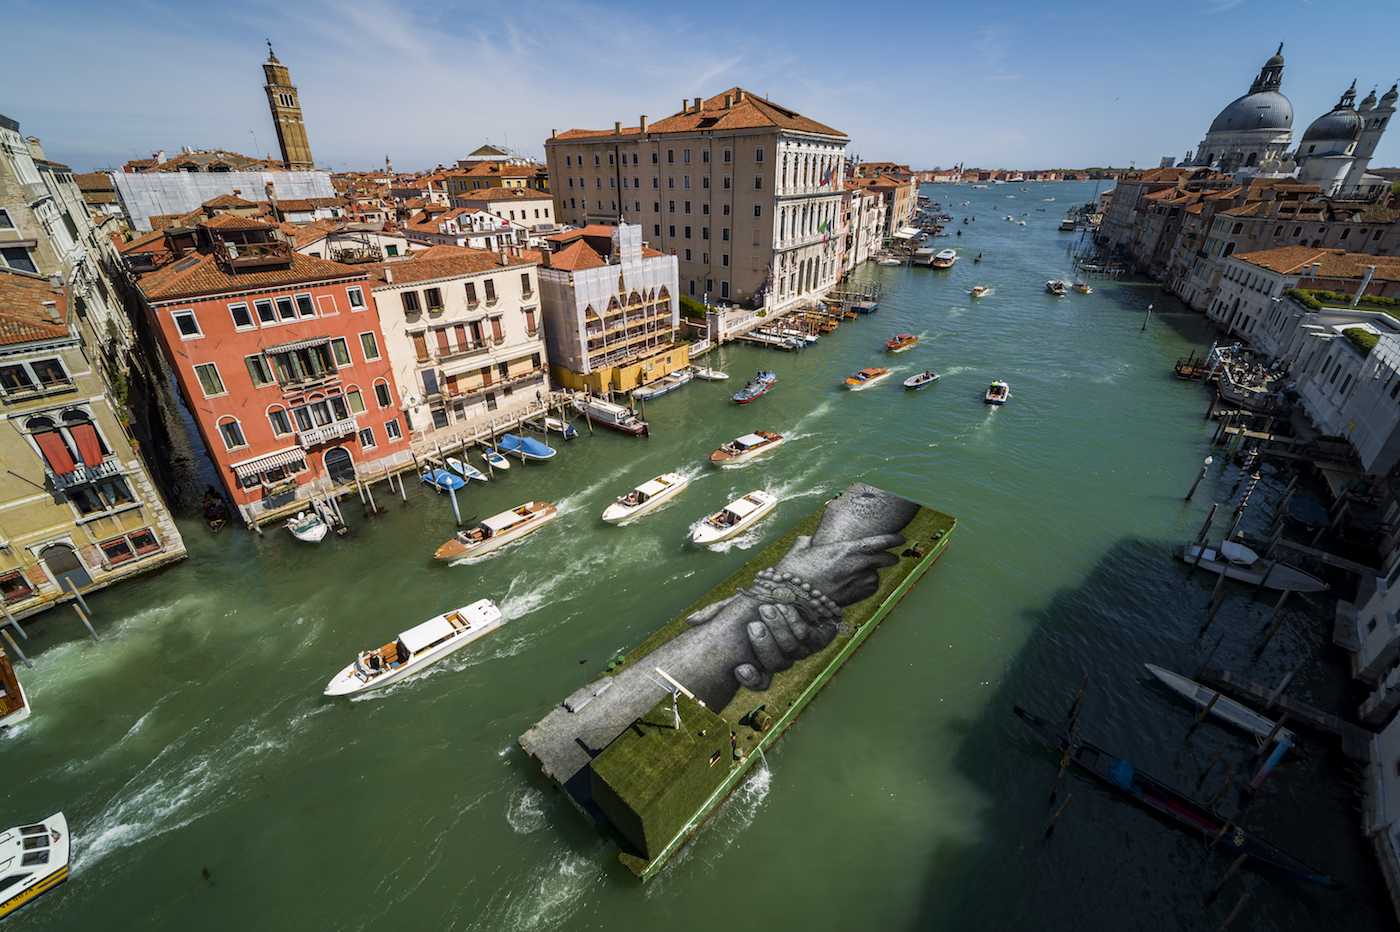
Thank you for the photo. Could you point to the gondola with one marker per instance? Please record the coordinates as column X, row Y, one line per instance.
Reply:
column 1176, row 807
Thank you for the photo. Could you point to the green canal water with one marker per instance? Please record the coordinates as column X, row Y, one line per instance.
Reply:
column 210, row 786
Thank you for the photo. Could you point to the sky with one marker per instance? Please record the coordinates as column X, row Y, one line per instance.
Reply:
column 1016, row 84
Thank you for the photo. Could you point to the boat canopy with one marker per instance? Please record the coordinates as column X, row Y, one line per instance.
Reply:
column 653, row 487
column 1238, row 553
column 750, row 440
column 506, row 519
column 947, row 254
column 426, row 634
column 906, row 233
column 744, row 507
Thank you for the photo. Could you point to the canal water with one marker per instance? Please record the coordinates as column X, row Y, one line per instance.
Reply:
column 210, row 785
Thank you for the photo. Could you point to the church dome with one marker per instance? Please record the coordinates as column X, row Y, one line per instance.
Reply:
column 1391, row 95
column 1257, row 110
column 1339, row 125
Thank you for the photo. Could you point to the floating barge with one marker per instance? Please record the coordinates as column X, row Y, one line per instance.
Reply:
column 647, row 750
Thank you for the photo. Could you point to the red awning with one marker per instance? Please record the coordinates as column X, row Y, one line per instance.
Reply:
column 51, row 445
column 88, row 444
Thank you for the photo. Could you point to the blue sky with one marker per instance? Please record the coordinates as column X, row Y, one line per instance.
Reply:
column 1000, row 85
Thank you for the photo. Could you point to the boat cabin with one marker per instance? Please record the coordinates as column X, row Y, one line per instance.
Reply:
column 735, row 513
column 413, row 642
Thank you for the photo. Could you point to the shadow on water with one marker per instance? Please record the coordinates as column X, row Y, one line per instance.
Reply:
column 1111, row 864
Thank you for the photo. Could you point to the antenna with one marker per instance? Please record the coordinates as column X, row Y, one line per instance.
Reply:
column 676, row 689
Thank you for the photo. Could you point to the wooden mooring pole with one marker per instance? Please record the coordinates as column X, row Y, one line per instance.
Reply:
column 1073, row 706
column 1274, row 621
column 87, row 624
column 1227, row 825
column 10, row 620
column 1064, row 764
column 1210, row 897
column 1205, row 528
column 1229, row 778
column 76, row 594
column 1244, row 898
column 1221, row 750
column 1205, row 710
column 10, row 639
column 1058, row 812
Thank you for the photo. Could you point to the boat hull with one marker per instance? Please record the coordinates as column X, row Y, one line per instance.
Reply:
column 525, row 448
column 347, row 683
column 1268, row 573
column 857, row 385
column 442, row 479
column 916, row 382
column 454, row 549
column 721, row 457
column 614, row 416
column 711, row 375
column 496, row 460
column 617, row 512
column 14, row 707
column 465, row 470
column 42, row 876
column 1222, row 707
column 310, row 529
column 707, row 533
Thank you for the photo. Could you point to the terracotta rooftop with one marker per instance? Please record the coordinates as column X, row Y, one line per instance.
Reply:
column 505, row 194
column 24, row 318
column 203, row 276
column 234, row 222
column 750, row 113
column 441, row 262
column 1333, row 263
column 227, row 201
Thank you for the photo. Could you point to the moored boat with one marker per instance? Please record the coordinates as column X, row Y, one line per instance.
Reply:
column 736, row 517
column 1238, row 562
column 14, row 704
column 901, row 342
column 416, row 648
column 496, row 460
column 561, row 427
column 1176, row 806
column 998, row 393
column 668, row 384
column 443, row 480
column 616, row 416
column 307, row 526
column 646, row 497
column 525, row 448
column 711, row 375
column 215, row 510
column 922, row 380
column 866, row 378
column 498, row 530
column 1221, row 706
column 464, row 469
column 746, row 447
column 944, row 259
column 756, row 386
column 1082, row 287
column 33, row 860
column 1056, row 287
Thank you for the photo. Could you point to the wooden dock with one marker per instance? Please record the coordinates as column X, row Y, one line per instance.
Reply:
column 1355, row 740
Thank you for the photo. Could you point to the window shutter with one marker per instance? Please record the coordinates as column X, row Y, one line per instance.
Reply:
column 496, row 329
column 55, row 453
column 485, row 375
column 530, row 321
column 443, row 348
column 420, row 346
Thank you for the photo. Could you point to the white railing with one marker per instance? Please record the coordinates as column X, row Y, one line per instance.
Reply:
column 310, row 438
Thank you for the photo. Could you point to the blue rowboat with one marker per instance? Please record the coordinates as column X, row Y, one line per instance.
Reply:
column 496, row 460
column 442, row 479
column 464, row 469
column 525, row 448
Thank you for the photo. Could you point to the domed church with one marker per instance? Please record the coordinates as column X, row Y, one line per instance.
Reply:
column 1253, row 131
column 1338, row 146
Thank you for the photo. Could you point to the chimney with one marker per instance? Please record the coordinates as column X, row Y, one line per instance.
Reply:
column 36, row 151
column 505, row 260
column 546, row 259
column 554, row 134
column 643, row 124
column 388, row 275
column 685, row 105
column 740, row 97
column 698, row 101
column 617, row 128
column 729, row 101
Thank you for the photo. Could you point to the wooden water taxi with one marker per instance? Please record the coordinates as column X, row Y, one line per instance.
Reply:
column 1082, row 288
column 497, row 531
column 746, row 447
column 866, row 378
column 14, row 704
column 901, row 342
column 416, row 648
column 612, row 415
column 979, row 291
column 646, row 497
column 736, row 517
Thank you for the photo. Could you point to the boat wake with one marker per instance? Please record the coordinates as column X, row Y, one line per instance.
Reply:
column 545, row 898
column 726, row 827
column 526, row 810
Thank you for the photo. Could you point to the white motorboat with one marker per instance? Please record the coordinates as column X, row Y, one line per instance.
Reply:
column 307, row 526
column 1236, row 561
column 498, row 530
column 496, row 460
column 736, row 517
column 666, row 385
column 746, row 447
column 416, row 648
column 33, row 860
column 611, row 415
column 646, row 497
column 561, row 427
column 922, row 380
column 14, row 704
column 1221, row 706
column 711, row 375
column 464, row 469
column 998, row 393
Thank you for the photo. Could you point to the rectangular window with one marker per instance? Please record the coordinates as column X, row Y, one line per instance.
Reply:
column 692, row 287
column 596, row 159
column 758, row 182
column 304, row 306
column 685, row 182
column 704, row 182
column 568, row 160
column 471, row 293
column 705, row 260
column 670, row 207
column 724, row 259
column 687, row 257
column 671, row 231
column 758, row 154
column 612, row 183
column 709, row 285
column 687, row 232
column 685, row 156
column 704, row 232
column 356, row 402
column 724, row 234
column 233, row 435
column 209, row 380
column 186, row 324
column 758, row 210
column 420, row 346
column 443, row 348
column 433, row 298
column 259, row 370
column 653, row 158
column 724, row 289
column 5, row 222
column 279, row 421
column 242, row 319
column 391, row 428
column 116, row 550
column 340, row 351
column 727, row 157
column 525, row 288
column 670, row 156
column 265, row 312
column 285, row 309
column 656, row 229
column 610, row 158
column 571, row 181
column 370, row 346
column 367, row 437
column 705, row 156
column 530, row 322
column 726, row 183
column 636, row 182
column 670, row 181
column 410, row 302
column 597, row 181
column 490, row 290
column 496, row 333
column 381, row 394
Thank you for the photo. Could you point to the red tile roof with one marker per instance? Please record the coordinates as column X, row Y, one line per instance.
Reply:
column 23, row 316
column 1333, row 263
column 750, row 113
column 204, row 276
column 226, row 201
column 234, row 222
column 505, row 194
column 441, row 262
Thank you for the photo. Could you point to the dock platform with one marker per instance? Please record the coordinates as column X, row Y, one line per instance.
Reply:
column 1355, row 740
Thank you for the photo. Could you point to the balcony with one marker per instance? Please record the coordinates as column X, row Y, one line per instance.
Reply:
column 333, row 431
column 311, row 383
column 235, row 256
column 460, row 352
column 498, row 383
column 85, row 475
column 42, row 390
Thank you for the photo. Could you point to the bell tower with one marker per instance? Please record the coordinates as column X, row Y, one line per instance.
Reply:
column 286, row 115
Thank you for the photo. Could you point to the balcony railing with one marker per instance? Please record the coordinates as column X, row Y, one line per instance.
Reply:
column 85, row 475
column 333, row 431
column 253, row 255
column 461, row 392
column 49, row 387
column 302, row 386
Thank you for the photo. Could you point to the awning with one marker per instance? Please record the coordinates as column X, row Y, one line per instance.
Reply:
column 296, row 345
column 88, row 444
column 59, row 459
column 271, row 461
column 426, row 634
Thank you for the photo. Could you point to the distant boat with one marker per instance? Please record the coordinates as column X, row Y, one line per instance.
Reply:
column 33, row 860
column 416, row 648
column 611, row 415
column 998, row 393
column 979, row 291
column 496, row 460
column 711, row 375
column 668, row 384
column 1222, row 707
column 756, row 386
column 944, row 259
column 866, row 378
column 560, row 427
column 922, row 380
column 307, row 526
column 888, row 260
column 736, row 517
column 744, row 448
column 1238, row 562
column 1082, row 287
column 14, row 704
column 646, row 497
column 497, row 531
column 901, row 342
column 465, row 470
column 215, row 510
column 442, row 479
column 1056, row 287
column 525, row 448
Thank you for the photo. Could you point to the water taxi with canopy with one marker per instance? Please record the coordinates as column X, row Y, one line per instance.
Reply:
column 498, row 530
column 739, row 515
column 646, row 497
column 416, row 648
column 33, row 860
column 746, row 447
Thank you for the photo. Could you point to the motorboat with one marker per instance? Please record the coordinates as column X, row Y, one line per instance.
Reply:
column 308, row 526
column 998, row 393
column 646, row 497
column 560, row 427
column 888, row 260
column 944, row 259
column 979, row 291
column 33, row 860
column 464, row 469
column 901, row 342
column 611, row 415
column 668, row 384
column 498, row 530
column 443, row 480
column 756, row 386
column 744, row 448
column 525, row 448
column 416, row 648
column 1056, row 287
column 14, row 704
column 1236, row 561
column 922, row 380
column 1082, row 287
column 1221, row 706
column 866, row 378
column 496, row 460
column 736, row 517
column 711, row 375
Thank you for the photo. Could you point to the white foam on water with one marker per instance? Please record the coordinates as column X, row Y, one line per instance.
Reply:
column 725, row 826
column 544, row 899
column 525, row 810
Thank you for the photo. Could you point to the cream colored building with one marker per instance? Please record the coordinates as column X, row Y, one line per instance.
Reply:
column 77, row 508
column 746, row 194
column 534, row 209
column 463, row 334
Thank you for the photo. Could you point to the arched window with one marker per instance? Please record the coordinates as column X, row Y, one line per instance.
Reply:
column 232, row 433
column 1253, row 156
column 1238, row 228
column 279, row 419
column 1229, row 250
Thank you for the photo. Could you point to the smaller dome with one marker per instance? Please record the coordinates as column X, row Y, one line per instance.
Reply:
column 1342, row 124
column 1390, row 96
column 1275, row 62
column 1369, row 103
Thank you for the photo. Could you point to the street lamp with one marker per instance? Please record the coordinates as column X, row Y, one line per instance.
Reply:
column 1209, row 460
